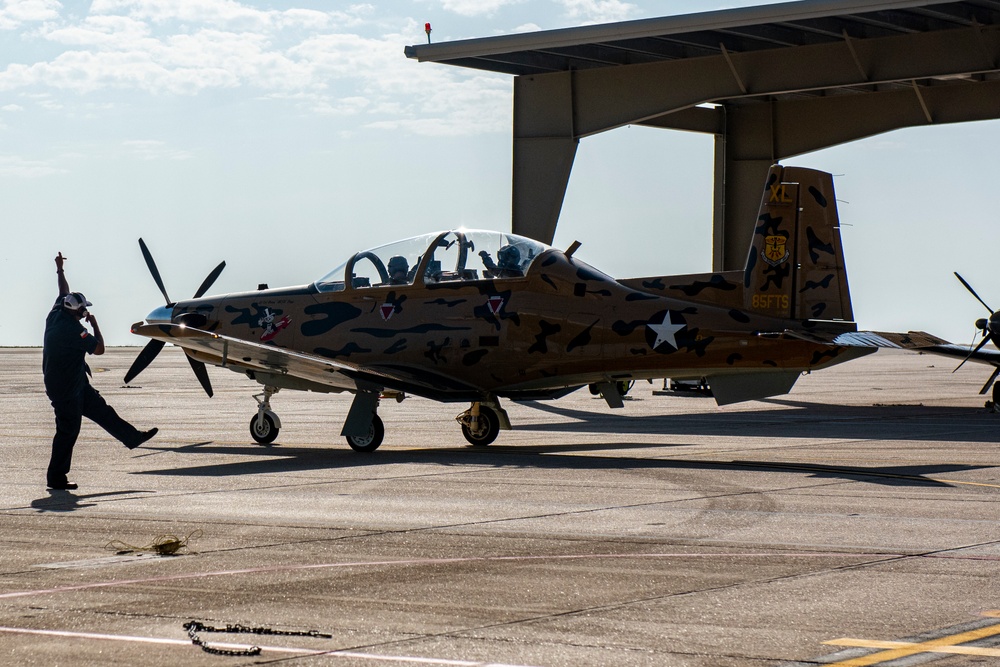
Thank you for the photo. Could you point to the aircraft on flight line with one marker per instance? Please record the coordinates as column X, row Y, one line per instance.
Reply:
column 436, row 316
column 990, row 329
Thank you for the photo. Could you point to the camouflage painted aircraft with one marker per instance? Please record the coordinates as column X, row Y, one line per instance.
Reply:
column 437, row 316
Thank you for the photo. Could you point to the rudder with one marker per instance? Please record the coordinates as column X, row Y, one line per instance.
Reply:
column 795, row 268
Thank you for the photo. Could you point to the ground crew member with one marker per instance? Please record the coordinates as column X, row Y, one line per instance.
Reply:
column 66, row 344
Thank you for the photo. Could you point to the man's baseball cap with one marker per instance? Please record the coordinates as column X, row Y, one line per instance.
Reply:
column 75, row 301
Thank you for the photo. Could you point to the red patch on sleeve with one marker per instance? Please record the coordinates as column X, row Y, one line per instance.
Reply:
column 84, row 334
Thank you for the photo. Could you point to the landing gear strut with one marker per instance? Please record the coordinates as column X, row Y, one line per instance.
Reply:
column 994, row 405
column 363, row 428
column 265, row 424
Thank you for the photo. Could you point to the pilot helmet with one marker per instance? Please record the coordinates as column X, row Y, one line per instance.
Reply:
column 509, row 256
column 398, row 263
column 75, row 301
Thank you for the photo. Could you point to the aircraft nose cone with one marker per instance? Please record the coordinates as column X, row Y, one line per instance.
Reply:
column 161, row 315
column 994, row 323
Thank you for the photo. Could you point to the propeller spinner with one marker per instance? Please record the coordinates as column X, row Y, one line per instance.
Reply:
column 990, row 328
column 154, row 346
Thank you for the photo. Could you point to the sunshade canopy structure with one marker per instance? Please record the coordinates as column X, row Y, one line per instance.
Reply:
column 770, row 82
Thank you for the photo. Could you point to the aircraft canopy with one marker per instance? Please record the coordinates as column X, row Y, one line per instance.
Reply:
column 461, row 254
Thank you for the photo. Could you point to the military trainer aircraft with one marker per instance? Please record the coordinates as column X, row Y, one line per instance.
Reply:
column 478, row 316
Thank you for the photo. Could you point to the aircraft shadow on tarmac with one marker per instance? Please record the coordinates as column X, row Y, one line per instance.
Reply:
column 803, row 420
column 297, row 459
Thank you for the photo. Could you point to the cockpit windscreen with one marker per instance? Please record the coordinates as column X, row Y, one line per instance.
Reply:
column 458, row 255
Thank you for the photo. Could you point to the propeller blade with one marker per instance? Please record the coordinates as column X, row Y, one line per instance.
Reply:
column 211, row 278
column 202, row 374
column 154, row 271
column 972, row 291
column 986, row 387
column 145, row 357
column 985, row 340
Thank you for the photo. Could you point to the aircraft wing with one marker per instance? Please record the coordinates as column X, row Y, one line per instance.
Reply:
column 334, row 375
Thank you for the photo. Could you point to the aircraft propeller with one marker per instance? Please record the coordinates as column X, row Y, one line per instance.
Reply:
column 991, row 332
column 154, row 346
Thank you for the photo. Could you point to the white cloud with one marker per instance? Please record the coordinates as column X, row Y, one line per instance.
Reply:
column 185, row 47
column 15, row 13
column 12, row 107
column 527, row 27
column 12, row 165
column 476, row 7
column 598, row 11
column 155, row 150
column 102, row 32
column 229, row 14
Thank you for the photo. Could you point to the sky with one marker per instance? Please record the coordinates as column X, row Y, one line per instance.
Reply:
column 283, row 137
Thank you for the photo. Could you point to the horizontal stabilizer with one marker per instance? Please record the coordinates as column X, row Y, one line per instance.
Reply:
column 911, row 340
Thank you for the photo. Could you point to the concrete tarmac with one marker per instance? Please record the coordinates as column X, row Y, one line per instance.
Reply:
column 852, row 522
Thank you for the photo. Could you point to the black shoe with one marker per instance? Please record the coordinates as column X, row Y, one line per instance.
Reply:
column 64, row 486
column 143, row 437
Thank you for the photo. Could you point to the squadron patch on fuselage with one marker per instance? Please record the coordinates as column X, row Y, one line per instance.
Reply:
column 272, row 326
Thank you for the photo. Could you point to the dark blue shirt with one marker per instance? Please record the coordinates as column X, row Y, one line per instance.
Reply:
column 67, row 343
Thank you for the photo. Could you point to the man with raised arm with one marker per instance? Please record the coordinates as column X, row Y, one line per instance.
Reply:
column 67, row 342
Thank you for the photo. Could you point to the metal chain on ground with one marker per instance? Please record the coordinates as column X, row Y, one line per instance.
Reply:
column 194, row 627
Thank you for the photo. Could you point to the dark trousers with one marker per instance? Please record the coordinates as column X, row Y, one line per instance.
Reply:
column 69, row 414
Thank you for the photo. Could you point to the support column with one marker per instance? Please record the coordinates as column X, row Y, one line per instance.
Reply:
column 743, row 155
column 544, row 150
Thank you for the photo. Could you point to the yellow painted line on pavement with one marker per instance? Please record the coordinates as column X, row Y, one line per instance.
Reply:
column 897, row 650
column 865, row 643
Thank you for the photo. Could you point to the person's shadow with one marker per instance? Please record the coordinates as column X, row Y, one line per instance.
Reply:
column 60, row 500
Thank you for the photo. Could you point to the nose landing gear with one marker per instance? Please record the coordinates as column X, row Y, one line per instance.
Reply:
column 265, row 424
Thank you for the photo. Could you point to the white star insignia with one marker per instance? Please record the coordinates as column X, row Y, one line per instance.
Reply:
column 666, row 332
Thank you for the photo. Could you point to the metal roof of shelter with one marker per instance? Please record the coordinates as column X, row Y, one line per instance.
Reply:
column 770, row 82
column 786, row 24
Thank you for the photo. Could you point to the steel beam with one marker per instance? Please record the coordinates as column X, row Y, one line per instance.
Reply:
column 850, row 90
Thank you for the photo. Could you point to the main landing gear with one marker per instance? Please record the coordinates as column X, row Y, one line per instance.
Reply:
column 994, row 405
column 370, row 441
column 364, row 430
column 482, row 422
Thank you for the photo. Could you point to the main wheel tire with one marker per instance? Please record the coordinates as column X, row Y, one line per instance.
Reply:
column 488, row 428
column 370, row 442
column 264, row 432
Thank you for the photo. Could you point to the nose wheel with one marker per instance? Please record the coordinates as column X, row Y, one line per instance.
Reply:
column 265, row 424
column 263, row 429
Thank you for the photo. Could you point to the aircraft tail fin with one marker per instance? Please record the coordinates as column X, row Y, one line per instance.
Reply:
column 795, row 268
